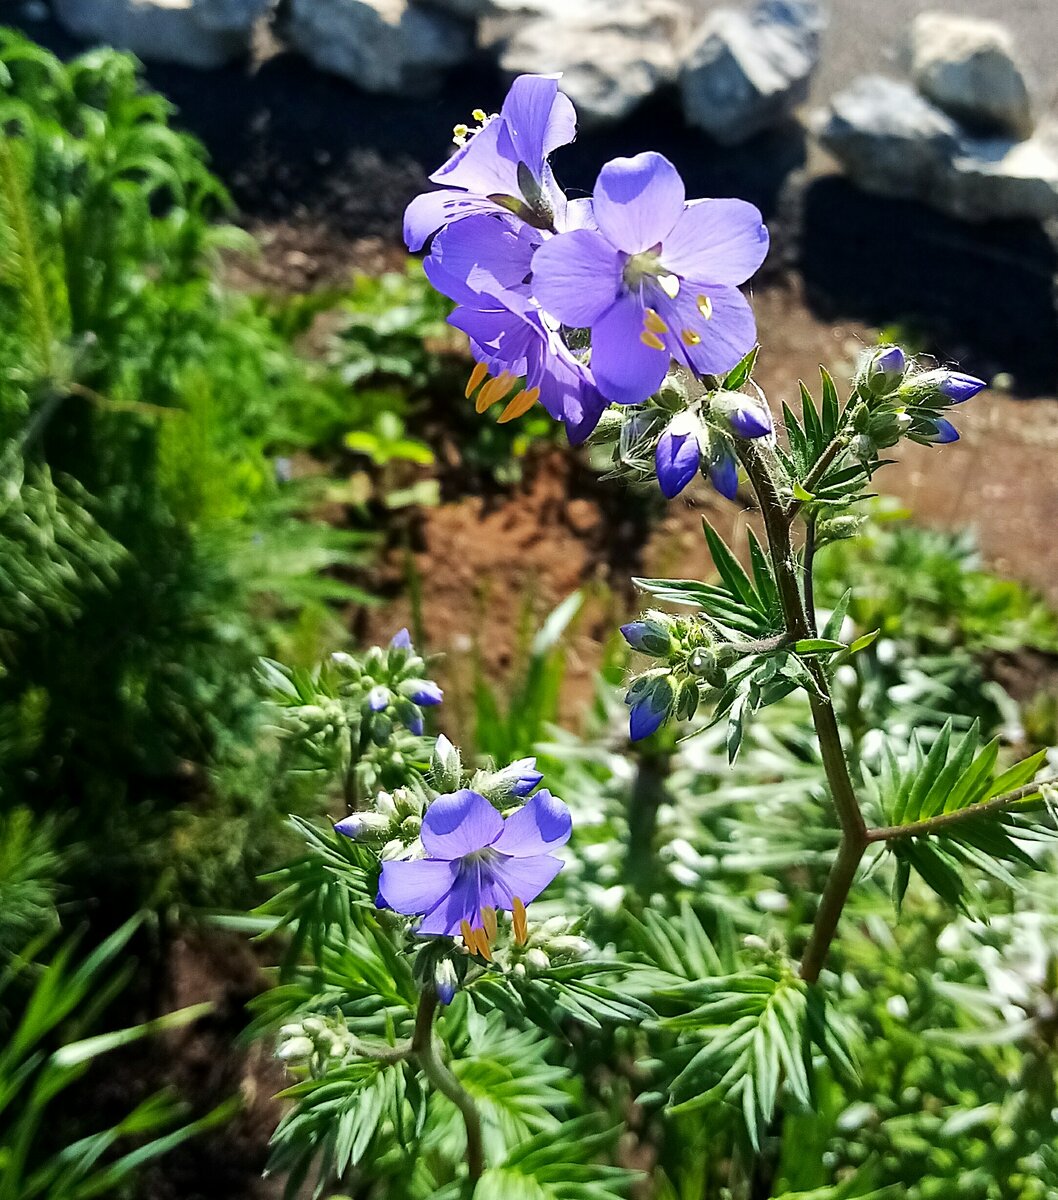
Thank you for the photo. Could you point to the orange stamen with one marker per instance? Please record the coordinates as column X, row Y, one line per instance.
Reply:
column 494, row 390
column 521, row 924
column 488, row 919
column 519, row 405
column 476, row 376
column 654, row 323
column 690, row 338
column 652, row 340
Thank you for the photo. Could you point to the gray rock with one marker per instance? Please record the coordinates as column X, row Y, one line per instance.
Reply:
column 612, row 56
column 746, row 72
column 968, row 67
column 894, row 142
column 385, row 46
column 193, row 33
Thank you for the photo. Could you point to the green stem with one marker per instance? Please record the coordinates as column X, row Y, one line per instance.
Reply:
column 424, row 1046
column 809, row 582
column 942, row 821
column 854, row 839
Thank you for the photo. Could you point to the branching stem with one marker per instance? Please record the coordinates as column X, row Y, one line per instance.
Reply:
column 937, row 824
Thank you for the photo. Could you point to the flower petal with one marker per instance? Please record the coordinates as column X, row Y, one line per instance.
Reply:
column 486, row 165
column 459, row 824
column 723, row 338
column 418, row 886
column 432, row 210
column 676, row 460
column 480, row 261
column 461, row 903
column 539, row 119
column 577, row 276
column 540, row 825
column 638, row 200
column 626, row 370
column 525, row 878
column 723, row 241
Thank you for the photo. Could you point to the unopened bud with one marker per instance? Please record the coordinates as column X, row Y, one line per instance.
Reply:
column 537, row 959
column 446, row 767
column 649, row 637
column 885, row 370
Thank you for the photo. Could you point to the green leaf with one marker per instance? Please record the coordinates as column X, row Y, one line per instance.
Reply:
column 818, row 646
column 863, row 641
column 741, row 371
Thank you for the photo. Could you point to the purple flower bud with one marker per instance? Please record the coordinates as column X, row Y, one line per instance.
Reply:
column 527, row 776
column 886, row 370
column 650, row 710
column 423, row 692
column 723, row 475
column 351, row 826
column 401, row 640
column 676, row 458
column 649, row 637
column 942, row 433
column 750, row 421
column 378, row 698
column 414, row 722
column 445, row 981
column 958, row 387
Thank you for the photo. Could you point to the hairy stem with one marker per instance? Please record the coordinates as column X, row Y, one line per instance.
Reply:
column 424, row 1046
column 942, row 821
column 809, row 582
column 854, row 839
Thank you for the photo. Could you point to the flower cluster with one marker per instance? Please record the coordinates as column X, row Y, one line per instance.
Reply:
column 903, row 400
column 393, row 687
column 690, row 658
column 588, row 301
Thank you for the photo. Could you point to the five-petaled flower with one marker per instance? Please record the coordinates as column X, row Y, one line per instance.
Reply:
column 656, row 280
column 476, row 861
column 503, row 169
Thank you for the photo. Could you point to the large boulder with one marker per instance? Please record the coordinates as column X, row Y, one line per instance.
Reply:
column 612, row 54
column 968, row 67
column 385, row 46
column 895, row 142
column 193, row 33
column 746, row 72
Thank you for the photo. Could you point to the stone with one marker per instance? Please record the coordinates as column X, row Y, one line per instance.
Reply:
column 193, row 33
column 968, row 67
column 612, row 55
column 747, row 72
column 894, row 142
column 387, row 46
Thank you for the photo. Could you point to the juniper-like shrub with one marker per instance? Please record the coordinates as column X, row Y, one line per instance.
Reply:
column 745, row 955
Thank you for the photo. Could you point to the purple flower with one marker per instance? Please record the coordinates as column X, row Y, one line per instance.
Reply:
column 657, row 279
column 483, row 264
column 502, row 169
column 401, row 640
column 476, row 860
column 959, row 388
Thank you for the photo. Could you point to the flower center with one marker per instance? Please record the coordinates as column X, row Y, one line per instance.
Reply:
column 647, row 264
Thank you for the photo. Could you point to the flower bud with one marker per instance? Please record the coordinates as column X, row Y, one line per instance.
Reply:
column 745, row 416
column 445, row 981
column 678, row 453
column 295, row 1049
column 510, row 782
column 343, row 660
column 672, row 395
column 938, row 432
column 537, row 959
column 649, row 636
column 409, row 716
column 401, row 640
column 569, row 944
column 378, row 698
column 359, row 826
column 423, row 692
column 651, row 709
column 381, row 729
column 885, row 370
column 723, row 472
column 446, row 767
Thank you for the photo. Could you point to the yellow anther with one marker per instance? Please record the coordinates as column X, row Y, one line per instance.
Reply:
column 460, row 133
column 494, row 390
column 476, row 376
column 468, row 934
column 519, row 405
column 478, row 114
column 670, row 285
column 652, row 340
column 521, row 925
column 690, row 338
column 475, row 940
column 488, row 919
column 654, row 323
column 705, row 306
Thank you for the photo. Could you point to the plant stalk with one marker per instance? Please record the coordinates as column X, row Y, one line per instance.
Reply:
column 424, row 1047
column 854, row 839
column 942, row 821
